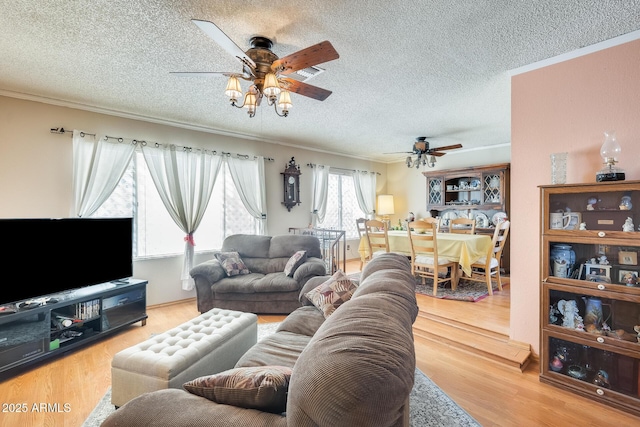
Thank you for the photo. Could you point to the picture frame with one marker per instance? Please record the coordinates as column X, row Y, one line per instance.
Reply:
column 627, row 258
column 601, row 270
column 622, row 276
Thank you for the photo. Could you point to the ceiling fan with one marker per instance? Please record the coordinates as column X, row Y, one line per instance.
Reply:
column 425, row 155
column 267, row 73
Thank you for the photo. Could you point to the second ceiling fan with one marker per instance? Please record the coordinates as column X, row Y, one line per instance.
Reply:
column 425, row 155
column 267, row 73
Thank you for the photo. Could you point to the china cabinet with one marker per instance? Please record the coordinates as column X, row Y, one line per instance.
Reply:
column 590, row 293
column 480, row 193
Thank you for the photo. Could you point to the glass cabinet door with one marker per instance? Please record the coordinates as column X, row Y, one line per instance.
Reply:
column 610, row 264
column 593, row 370
column 435, row 191
column 492, row 188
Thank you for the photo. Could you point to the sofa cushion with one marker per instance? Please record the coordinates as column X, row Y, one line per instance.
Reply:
column 331, row 294
column 294, row 262
column 249, row 245
column 285, row 245
column 263, row 387
column 367, row 347
column 232, row 263
column 253, row 283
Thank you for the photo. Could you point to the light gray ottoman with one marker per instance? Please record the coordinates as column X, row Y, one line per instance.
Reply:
column 210, row 343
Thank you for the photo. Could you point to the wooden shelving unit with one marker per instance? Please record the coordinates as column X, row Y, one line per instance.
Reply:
column 588, row 310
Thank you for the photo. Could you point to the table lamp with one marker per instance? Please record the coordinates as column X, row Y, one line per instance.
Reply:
column 385, row 207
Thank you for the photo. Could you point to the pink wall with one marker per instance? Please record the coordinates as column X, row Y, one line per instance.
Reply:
column 564, row 107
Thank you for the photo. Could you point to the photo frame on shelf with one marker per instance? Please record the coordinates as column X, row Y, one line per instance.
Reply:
column 601, row 270
column 628, row 276
column 627, row 258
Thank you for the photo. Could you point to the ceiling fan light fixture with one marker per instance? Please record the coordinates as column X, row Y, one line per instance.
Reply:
column 250, row 102
column 233, row 90
column 432, row 161
column 284, row 102
column 271, row 87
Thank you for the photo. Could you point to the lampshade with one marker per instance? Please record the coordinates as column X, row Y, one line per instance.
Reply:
column 285, row 101
column 233, row 90
column 270, row 87
column 250, row 102
column 385, row 204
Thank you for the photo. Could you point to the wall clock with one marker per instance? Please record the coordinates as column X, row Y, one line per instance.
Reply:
column 291, row 181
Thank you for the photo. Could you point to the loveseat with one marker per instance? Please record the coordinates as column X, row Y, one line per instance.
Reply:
column 353, row 368
column 263, row 286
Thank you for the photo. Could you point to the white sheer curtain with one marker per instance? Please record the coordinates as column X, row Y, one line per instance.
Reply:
column 98, row 165
column 365, row 184
column 184, row 179
column 248, row 177
column 319, row 193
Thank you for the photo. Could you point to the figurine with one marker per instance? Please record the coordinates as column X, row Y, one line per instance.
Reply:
column 591, row 203
column 628, row 224
column 625, row 203
column 556, row 364
column 603, row 260
column 570, row 314
column 602, row 379
column 583, row 226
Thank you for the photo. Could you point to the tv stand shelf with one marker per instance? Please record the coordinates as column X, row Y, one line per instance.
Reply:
column 76, row 318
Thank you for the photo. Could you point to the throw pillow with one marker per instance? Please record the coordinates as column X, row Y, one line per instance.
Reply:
column 232, row 263
column 260, row 387
column 294, row 262
column 331, row 294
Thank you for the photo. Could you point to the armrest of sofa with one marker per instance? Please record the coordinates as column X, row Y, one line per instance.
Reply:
column 205, row 275
column 175, row 407
column 310, row 268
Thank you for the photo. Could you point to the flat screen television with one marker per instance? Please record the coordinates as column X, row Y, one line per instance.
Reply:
column 47, row 256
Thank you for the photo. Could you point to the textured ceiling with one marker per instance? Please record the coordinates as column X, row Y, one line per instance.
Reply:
column 434, row 68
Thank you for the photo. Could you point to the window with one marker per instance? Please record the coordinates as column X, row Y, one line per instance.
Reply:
column 156, row 234
column 342, row 205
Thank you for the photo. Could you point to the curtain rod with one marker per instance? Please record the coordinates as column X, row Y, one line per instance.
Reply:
column 62, row 131
column 313, row 165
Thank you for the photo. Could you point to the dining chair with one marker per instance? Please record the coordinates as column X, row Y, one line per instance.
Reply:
column 489, row 265
column 377, row 236
column 462, row 226
column 425, row 262
column 362, row 232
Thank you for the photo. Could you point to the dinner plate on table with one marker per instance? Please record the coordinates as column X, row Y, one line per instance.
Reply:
column 498, row 218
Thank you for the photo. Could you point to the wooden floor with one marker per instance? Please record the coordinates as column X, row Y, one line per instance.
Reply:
column 65, row 390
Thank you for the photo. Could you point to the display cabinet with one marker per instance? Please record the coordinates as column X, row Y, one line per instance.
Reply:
column 480, row 193
column 590, row 293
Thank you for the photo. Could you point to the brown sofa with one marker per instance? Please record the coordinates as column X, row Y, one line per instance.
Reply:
column 356, row 368
column 266, row 289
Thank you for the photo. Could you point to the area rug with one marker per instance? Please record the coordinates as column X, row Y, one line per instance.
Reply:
column 429, row 405
column 466, row 290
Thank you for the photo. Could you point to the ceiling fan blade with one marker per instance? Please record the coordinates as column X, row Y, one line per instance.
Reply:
column 448, row 147
column 313, row 55
column 203, row 73
column 400, row 152
column 437, row 154
column 224, row 41
column 305, row 89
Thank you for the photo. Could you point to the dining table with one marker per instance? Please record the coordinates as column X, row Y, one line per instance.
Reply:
column 463, row 248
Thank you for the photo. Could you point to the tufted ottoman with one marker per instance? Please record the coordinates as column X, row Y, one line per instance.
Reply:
column 208, row 344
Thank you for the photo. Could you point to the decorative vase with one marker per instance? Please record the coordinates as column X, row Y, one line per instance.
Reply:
column 593, row 312
column 563, row 258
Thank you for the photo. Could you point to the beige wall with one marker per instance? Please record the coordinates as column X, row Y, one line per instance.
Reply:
column 36, row 172
column 564, row 107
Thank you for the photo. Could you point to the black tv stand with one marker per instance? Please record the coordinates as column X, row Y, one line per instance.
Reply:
column 50, row 326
